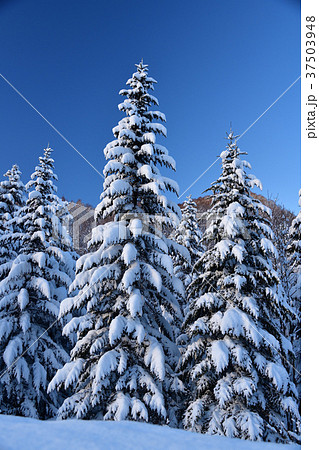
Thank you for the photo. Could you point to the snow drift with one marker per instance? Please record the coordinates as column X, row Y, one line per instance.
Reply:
column 21, row 432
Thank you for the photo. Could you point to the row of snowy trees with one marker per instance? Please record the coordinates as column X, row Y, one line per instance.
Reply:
column 166, row 327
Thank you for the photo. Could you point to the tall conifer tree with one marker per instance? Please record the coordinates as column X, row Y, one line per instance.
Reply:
column 31, row 346
column 189, row 235
column 234, row 361
column 122, row 366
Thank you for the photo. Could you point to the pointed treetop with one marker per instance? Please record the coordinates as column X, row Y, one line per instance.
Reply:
column 141, row 67
column 48, row 149
column 14, row 173
column 230, row 135
column 46, row 155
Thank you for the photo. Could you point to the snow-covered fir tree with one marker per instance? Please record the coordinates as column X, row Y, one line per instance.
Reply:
column 31, row 343
column 122, row 366
column 12, row 198
column 189, row 235
column 233, row 364
column 294, row 293
column 281, row 221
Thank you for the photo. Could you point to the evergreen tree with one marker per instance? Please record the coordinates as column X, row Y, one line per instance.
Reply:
column 12, row 198
column 281, row 220
column 31, row 346
column 233, row 364
column 189, row 235
column 122, row 366
column 294, row 294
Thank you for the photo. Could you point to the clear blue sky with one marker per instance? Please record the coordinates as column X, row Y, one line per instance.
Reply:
column 216, row 62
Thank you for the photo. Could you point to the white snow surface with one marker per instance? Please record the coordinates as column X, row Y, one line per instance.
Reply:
column 32, row 434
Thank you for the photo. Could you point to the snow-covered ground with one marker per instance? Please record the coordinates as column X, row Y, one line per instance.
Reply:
column 22, row 433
